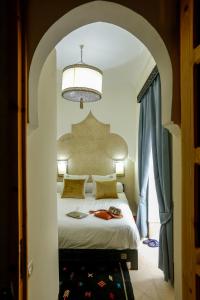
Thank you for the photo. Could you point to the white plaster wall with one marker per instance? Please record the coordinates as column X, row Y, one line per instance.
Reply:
column 41, row 191
column 148, row 65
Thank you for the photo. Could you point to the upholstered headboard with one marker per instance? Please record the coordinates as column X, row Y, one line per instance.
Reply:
column 91, row 148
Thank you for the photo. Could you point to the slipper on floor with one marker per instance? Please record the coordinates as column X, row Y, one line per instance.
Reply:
column 153, row 243
column 147, row 241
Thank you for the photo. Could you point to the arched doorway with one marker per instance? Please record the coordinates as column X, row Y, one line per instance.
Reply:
column 107, row 12
column 104, row 12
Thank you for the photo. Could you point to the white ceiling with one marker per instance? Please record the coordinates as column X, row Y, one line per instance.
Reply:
column 105, row 46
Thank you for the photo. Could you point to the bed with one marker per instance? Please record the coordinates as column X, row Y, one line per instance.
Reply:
column 91, row 148
column 95, row 237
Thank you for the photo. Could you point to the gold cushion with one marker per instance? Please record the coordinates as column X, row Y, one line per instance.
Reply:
column 73, row 188
column 106, row 189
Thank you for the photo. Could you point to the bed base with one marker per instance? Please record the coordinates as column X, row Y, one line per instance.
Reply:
column 127, row 255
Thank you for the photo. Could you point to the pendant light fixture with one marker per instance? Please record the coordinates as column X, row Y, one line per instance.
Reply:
column 82, row 82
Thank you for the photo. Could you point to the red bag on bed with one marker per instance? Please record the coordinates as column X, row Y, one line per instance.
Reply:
column 103, row 214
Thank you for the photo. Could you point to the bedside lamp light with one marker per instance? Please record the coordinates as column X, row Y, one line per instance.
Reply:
column 119, row 168
column 62, row 167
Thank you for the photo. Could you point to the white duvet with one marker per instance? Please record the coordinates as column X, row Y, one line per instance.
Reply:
column 92, row 232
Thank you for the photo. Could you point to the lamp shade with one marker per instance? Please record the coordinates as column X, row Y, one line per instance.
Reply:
column 81, row 81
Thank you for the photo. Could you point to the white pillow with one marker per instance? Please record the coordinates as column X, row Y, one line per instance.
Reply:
column 108, row 177
column 104, row 177
column 89, row 187
column 66, row 175
column 120, row 188
column 59, row 186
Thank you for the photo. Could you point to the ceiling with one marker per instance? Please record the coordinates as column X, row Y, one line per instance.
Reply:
column 105, row 46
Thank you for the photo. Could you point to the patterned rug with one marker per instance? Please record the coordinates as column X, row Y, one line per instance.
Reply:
column 95, row 281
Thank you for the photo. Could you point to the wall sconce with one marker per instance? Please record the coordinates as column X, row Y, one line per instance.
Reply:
column 120, row 168
column 62, row 167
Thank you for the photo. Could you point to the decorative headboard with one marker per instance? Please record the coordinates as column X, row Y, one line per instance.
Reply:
column 91, row 148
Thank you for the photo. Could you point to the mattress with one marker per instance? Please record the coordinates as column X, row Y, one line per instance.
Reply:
column 92, row 232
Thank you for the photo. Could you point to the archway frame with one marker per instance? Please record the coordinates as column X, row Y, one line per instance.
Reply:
column 110, row 12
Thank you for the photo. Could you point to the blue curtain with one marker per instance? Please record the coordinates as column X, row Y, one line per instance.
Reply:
column 161, row 151
column 151, row 133
column 144, row 144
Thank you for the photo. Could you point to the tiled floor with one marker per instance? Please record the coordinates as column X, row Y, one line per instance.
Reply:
column 148, row 283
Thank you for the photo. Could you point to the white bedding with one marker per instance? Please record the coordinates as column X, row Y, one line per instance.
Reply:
column 92, row 232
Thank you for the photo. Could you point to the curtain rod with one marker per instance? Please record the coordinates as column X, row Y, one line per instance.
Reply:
column 147, row 84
